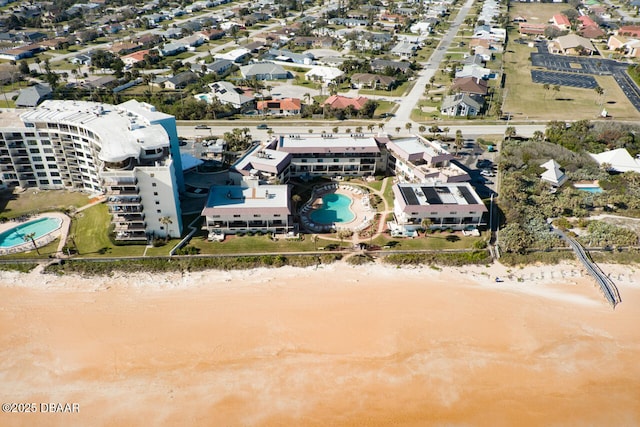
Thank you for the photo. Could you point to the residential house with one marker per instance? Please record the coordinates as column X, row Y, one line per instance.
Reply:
column 324, row 74
column 405, row 49
column 236, row 55
column 372, row 81
column 618, row 160
column 228, row 93
column 470, row 85
column 264, row 71
column 288, row 56
column 135, row 57
column 339, row 102
column 123, row 48
column 171, row 49
column 81, row 59
column 461, row 104
column 629, row 31
column 475, row 71
column 218, row 66
column 280, row 107
column 212, row 34
column 384, row 64
column 561, row 21
column 181, row 80
column 553, row 174
column 529, row 29
column 33, row 95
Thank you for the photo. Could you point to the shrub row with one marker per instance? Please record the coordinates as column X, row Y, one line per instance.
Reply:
column 101, row 268
column 440, row 258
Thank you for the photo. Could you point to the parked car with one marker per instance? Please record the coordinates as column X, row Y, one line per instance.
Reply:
column 202, row 127
column 485, row 172
column 484, row 163
column 262, row 126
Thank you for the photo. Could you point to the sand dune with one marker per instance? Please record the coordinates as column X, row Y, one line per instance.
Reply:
column 339, row 345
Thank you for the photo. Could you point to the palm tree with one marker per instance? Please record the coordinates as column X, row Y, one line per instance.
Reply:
column 546, row 88
column 538, row 136
column 510, row 132
column 307, row 97
column 335, row 129
column 446, row 132
column 599, row 91
column 556, row 89
column 381, row 126
column 397, row 129
column 422, row 128
column 459, row 141
column 426, row 223
column 408, row 126
column 166, row 221
column 296, row 199
column 30, row 237
column 370, row 127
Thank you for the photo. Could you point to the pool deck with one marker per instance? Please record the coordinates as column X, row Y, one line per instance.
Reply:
column 363, row 213
column 61, row 232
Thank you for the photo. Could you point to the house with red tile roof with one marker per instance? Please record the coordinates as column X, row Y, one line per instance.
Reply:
column 561, row 21
column 280, row 107
column 629, row 30
column 340, row 102
column 134, row 57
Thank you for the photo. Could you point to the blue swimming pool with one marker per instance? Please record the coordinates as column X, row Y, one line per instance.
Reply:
column 41, row 226
column 590, row 189
column 334, row 209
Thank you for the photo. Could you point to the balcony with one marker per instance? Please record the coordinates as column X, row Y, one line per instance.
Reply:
column 132, row 217
column 131, row 235
column 124, row 200
column 125, row 209
column 111, row 181
column 123, row 191
column 138, row 226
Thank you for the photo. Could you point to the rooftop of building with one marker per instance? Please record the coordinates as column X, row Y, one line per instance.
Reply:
column 425, row 194
column 124, row 130
column 328, row 143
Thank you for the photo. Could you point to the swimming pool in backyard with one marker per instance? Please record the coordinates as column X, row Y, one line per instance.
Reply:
column 335, row 209
column 41, row 227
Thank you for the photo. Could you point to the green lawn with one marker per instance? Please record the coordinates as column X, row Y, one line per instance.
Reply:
column 91, row 230
column 15, row 204
column 250, row 244
column 435, row 241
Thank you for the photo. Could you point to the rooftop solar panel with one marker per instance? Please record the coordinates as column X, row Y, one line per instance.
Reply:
column 431, row 195
column 409, row 195
column 467, row 195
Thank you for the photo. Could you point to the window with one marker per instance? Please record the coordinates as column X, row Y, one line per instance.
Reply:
column 57, row 181
column 236, row 216
column 55, row 174
column 453, row 213
column 153, row 184
column 158, row 211
column 34, row 150
column 155, row 193
column 43, row 182
column 276, row 215
column 157, row 202
column 256, row 215
column 152, row 175
column 41, row 174
column 36, row 158
column 39, row 166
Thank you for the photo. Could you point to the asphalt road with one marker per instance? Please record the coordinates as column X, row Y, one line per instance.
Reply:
column 563, row 79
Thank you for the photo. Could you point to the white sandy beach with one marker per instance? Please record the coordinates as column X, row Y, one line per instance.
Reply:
column 339, row 345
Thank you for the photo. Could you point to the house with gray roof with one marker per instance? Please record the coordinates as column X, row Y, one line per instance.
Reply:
column 288, row 56
column 228, row 93
column 181, row 80
column 397, row 66
column 219, row 67
column 33, row 95
column 462, row 104
column 171, row 49
column 264, row 71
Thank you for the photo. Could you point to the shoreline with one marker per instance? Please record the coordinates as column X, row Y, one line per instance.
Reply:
column 336, row 345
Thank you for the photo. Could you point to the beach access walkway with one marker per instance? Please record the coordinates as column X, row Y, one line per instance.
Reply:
column 609, row 289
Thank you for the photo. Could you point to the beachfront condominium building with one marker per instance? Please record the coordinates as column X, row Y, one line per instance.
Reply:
column 129, row 152
column 453, row 206
column 248, row 207
column 331, row 155
column 417, row 159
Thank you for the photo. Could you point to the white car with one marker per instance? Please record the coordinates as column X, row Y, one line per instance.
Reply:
column 485, row 172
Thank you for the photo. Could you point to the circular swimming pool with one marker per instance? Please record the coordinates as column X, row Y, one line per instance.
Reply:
column 335, row 209
column 41, row 226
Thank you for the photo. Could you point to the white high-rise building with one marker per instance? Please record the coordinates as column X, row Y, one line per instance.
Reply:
column 129, row 152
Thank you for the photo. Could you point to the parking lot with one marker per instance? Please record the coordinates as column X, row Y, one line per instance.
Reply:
column 579, row 66
column 563, row 79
